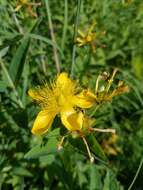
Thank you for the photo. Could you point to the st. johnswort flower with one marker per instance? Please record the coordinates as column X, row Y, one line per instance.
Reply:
column 62, row 97
column 29, row 5
column 90, row 38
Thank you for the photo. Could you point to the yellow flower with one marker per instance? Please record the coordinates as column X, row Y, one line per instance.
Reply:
column 90, row 38
column 85, row 39
column 28, row 5
column 103, row 93
column 62, row 97
column 110, row 146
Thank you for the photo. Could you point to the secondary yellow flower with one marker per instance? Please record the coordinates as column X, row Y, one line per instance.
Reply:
column 62, row 97
column 29, row 5
column 110, row 146
column 90, row 38
column 104, row 93
column 85, row 39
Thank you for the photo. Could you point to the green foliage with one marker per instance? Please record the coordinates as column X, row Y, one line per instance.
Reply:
column 27, row 59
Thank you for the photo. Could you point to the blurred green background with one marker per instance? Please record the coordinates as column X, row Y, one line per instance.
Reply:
column 27, row 59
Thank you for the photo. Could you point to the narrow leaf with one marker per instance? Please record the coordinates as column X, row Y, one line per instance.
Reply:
column 96, row 148
column 17, row 64
column 49, row 148
column 3, row 86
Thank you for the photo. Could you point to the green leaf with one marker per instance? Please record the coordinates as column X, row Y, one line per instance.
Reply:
column 3, row 86
column 37, row 151
column 107, row 181
column 110, row 181
column 54, row 133
column 4, row 51
column 137, row 65
column 95, row 147
column 20, row 171
column 95, row 178
column 20, row 117
column 17, row 182
column 18, row 60
column 46, row 40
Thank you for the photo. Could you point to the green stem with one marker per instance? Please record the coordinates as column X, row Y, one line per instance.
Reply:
column 56, row 57
column 136, row 175
column 74, row 37
column 94, row 111
column 111, row 80
column 16, row 21
column 65, row 24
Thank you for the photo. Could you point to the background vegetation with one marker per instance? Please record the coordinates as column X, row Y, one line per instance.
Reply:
column 27, row 59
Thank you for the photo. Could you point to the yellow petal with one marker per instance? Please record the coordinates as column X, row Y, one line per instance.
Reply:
column 87, row 123
column 65, row 86
column 24, row 1
column 62, row 79
column 85, row 99
column 81, row 33
column 72, row 120
column 18, row 8
column 79, row 40
column 42, row 122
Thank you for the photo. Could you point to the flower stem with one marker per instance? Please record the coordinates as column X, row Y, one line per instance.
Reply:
column 65, row 24
column 74, row 37
column 60, row 143
column 111, row 80
column 56, row 57
column 88, row 150
column 136, row 175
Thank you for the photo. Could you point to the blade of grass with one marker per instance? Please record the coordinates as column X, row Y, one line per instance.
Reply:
column 11, row 84
column 3, row 86
column 18, row 60
column 46, row 40
column 65, row 24
column 56, row 57
column 136, row 175
column 20, row 29
column 74, row 36
column 25, row 83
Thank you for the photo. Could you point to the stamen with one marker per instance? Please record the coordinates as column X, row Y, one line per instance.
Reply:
column 97, row 84
column 105, row 130
column 60, row 143
column 35, row 4
column 111, row 80
column 88, row 150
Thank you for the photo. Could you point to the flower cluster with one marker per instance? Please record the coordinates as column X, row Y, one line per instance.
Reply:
column 66, row 99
